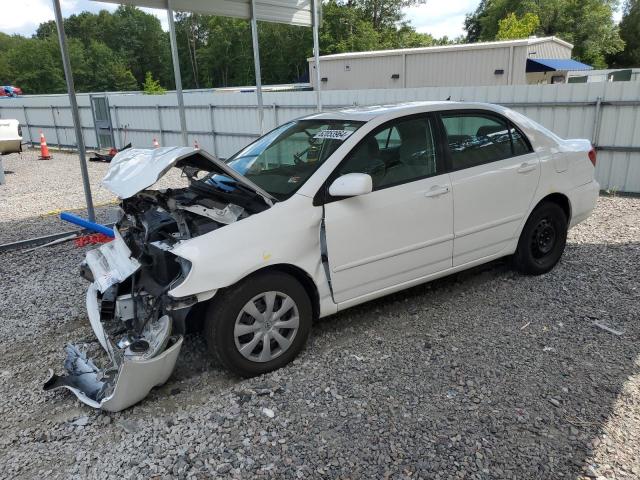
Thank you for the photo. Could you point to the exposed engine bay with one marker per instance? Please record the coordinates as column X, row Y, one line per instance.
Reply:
column 135, row 320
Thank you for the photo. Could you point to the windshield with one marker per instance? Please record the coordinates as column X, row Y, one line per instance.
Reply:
column 283, row 159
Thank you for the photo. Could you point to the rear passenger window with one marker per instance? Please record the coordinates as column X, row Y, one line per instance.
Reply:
column 476, row 139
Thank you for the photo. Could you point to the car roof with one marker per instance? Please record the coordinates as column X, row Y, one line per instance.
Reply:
column 379, row 114
column 366, row 114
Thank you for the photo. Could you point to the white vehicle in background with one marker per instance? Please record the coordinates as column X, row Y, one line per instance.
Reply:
column 321, row 214
column 10, row 136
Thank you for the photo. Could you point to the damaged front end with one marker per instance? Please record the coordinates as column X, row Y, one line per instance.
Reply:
column 141, row 340
column 131, row 311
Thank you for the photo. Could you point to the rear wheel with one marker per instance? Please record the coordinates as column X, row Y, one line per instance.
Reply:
column 542, row 240
column 260, row 324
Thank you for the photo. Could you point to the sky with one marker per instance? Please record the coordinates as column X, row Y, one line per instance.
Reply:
column 28, row 14
column 437, row 17
column 441, row 17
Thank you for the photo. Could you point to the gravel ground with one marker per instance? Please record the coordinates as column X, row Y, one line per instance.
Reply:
column 483, row 375
column 36, row 191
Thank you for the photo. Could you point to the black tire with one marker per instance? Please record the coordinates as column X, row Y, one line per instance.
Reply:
column 223, row 313
column 542, row 240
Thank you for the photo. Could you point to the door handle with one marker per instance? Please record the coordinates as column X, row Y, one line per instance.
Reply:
column 436, row 191
column 527, row 167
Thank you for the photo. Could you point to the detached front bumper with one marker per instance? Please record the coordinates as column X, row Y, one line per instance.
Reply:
column 137, row 363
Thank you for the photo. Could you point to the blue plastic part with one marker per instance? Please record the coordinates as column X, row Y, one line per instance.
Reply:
column 96, row 227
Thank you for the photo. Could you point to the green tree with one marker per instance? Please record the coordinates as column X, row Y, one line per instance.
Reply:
column 7, row 44
column 105, row 69
column 630, row 34
column 512, row 27
column 588, row 24
column 84, row 26
column 116, row 51
column 35, row 66
column 46, row 30
column 284, row 50
column 127, row 40
column 352, row 27
column 382, row 13
column 227, row 57
column 123, row 79
column 191, row 32
column 138, row 36
column 152, row 86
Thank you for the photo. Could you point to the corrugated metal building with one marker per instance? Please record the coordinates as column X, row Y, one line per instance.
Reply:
column 491, row 63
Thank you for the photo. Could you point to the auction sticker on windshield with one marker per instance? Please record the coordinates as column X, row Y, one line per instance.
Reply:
column 333, row 134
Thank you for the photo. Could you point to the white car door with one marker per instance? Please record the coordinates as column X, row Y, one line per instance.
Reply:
column 494, row 176
column 403, row 229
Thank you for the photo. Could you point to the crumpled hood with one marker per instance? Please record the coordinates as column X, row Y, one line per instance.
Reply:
column 134, row 169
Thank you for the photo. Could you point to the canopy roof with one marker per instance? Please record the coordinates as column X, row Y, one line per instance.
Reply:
column 555, row 64
column 293, row 12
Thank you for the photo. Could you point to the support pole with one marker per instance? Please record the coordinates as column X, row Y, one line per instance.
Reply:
column 26, row 121
column 55, row 126
column 160, row 128
column 68, row 74
column 256, row 62
column 176, row 74
column 118, row 129
column 213, row 129
column 315, row 18
column 596, row 123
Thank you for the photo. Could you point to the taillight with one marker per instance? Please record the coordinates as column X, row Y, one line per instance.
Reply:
column 593, row 155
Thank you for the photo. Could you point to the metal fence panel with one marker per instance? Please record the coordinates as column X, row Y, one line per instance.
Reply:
column 223, row 122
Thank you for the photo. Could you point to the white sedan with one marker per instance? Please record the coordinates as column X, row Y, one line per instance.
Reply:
column 321, row 214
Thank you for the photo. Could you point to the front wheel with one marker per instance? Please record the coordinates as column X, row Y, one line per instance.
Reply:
column 542, row 240
column 260, row 324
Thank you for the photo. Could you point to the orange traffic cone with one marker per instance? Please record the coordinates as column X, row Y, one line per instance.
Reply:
column 155, row 143
column 44, row 150
column 195, row 144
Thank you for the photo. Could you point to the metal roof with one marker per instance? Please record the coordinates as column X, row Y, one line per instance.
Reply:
column 447, row 48
column 294, row 12
column 555, row 64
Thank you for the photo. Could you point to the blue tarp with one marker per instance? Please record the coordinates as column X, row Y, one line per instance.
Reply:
column 554, row 64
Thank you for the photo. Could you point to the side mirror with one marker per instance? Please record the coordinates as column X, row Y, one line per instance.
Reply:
column 351, row 185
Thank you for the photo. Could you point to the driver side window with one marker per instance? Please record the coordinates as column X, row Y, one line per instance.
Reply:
column 399, row 152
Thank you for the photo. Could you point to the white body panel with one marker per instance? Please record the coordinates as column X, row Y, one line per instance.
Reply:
column 10, row 139
column 396, row 237
column 289, row 234
column 388, row 237
column 487, row 224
